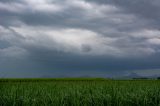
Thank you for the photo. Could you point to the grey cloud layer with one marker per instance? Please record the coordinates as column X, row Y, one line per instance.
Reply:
column 79, row 35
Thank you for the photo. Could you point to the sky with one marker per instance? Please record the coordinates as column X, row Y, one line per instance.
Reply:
column 79, row 38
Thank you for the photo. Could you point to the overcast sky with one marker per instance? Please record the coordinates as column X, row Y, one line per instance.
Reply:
column 64, row 38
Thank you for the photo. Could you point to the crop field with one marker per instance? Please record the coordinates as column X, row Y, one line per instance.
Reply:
column 79, row 92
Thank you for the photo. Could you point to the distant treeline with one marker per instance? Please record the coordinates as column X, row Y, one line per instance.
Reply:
column 68, row 79
column 158, row 78
column 51, row 79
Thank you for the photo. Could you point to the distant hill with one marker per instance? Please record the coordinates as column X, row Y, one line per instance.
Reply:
column 134, row 75
column 137, row 76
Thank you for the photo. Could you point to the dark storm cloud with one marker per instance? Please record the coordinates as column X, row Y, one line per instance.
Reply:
column 146, row 9
column 78, row 38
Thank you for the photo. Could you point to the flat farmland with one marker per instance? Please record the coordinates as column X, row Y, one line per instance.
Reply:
column 79, row 92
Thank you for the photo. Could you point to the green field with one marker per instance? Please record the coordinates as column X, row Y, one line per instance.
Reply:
column 79, row 92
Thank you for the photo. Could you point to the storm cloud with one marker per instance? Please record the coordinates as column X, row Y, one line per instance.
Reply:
column 73, row 38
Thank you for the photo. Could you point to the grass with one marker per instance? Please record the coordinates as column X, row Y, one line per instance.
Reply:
column 79, row 92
